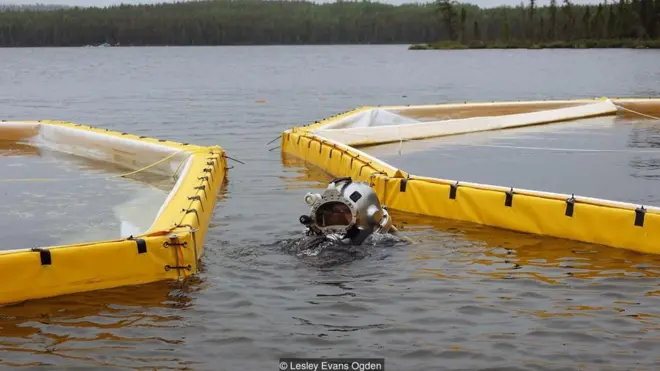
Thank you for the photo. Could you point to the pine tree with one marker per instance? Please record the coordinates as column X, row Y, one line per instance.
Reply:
column 553, row 19
column 611, row 24
column 569, row 22
column 532, row 10
column 476, row 33
column 506, row 29
column 448, row 12
column 587, row 24
column 463, row 19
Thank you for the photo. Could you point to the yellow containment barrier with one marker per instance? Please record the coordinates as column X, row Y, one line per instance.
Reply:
column 170, row 249
column 611, row 223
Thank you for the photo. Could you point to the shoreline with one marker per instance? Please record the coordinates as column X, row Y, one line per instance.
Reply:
column 649, row 44
column 576, row 44
column 278, row 22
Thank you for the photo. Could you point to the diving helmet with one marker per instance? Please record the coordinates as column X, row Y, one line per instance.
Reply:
column 348, row 209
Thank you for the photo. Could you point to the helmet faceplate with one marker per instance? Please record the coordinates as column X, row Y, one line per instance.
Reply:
column 349, row 208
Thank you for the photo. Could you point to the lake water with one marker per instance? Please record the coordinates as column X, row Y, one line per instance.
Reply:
column 51, row 198
column 463, row 297
column 608, row 157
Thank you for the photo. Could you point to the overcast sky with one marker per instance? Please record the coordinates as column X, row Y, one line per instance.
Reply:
column 483, row 3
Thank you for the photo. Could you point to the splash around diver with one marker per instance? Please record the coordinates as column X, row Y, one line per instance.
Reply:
column 343, row 224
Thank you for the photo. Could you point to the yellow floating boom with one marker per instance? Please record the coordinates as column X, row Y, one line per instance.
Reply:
column 611, row 223
column 170, row 249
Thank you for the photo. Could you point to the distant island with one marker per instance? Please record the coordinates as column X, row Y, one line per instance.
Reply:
column 444, row 24
column 30, row 7
column 622, row 24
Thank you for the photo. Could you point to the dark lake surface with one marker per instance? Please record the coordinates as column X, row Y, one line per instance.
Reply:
column 462, row 297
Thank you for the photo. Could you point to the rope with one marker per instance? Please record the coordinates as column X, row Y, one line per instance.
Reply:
column 156, row 163
column 552, row 149
column 231, row 158
column 401, row 141
column 109, row 177
column 639, row 113
column 278, row 137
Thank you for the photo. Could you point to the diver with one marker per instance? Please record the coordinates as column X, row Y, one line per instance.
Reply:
column 340, row 222
column 347, row 212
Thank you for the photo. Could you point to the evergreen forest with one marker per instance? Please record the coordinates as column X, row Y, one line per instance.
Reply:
column 440, row 24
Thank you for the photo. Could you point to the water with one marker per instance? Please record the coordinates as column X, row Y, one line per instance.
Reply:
column 51, row 198
column 462, row 297
column 607, row 157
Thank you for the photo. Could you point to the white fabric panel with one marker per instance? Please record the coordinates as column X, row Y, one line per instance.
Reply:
column 374, row 133
column 131, row 154
column 138, row 213
column 401, row 109
column 369, row 118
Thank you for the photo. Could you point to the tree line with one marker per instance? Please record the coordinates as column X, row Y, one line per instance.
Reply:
column 263, row 22
column 604, row 24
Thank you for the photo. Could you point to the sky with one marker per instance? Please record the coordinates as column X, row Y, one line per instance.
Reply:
column 482, row 3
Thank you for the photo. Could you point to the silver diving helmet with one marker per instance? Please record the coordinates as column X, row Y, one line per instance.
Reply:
column 349, row 211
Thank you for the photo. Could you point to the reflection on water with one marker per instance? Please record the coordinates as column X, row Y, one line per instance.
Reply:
column 52, row 198
column 513, row 255
column 551, row 295
column 68, row 330
column 306, row 177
